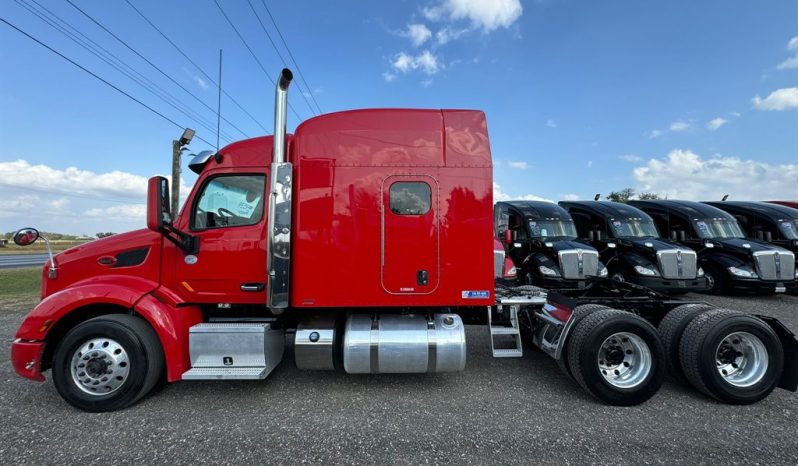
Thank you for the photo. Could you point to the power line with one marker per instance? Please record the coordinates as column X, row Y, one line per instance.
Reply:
column 291, row 55
column 175, row 103
column 274, row 46
column 101, row 79
column 167, row 76
column 262, row 68
column 195, row 65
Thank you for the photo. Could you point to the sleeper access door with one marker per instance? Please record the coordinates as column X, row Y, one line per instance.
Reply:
column 410, row 234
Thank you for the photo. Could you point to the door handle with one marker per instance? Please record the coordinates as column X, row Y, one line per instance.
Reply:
column 253, row 287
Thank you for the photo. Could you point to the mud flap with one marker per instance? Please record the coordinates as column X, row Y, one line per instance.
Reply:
column 789, row 344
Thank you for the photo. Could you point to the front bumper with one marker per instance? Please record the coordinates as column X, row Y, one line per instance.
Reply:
column 559, row 282
column 761, row 286
column 26, row 357
column 666, row 285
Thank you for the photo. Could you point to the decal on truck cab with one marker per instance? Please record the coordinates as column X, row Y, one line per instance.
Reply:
column 476, row 294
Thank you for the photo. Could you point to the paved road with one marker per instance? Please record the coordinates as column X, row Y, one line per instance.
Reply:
column 499, row 411
column 13, row 261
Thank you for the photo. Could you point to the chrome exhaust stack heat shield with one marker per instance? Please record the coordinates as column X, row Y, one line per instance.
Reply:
column 404, row 344
column 279, row 214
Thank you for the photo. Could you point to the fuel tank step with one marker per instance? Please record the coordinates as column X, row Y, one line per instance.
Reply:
column 234, row 351
column 509, row 334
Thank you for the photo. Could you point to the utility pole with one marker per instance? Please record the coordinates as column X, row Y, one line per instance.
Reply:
column 178, row 146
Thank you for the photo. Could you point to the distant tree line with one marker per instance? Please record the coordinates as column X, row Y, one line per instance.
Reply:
column 59, row 236
column 627, row 194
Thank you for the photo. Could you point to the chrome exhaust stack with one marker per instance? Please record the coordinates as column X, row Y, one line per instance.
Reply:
column 278, row 258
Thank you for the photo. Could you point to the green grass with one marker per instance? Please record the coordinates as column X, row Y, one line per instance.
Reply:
column 20, row 283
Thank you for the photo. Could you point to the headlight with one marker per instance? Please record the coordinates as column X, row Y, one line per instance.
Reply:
column 603, row 272
column 548, row 271
column 743, row 272
column 645, row 271
column 796, row 274
column 512, row 272
column 700, row 272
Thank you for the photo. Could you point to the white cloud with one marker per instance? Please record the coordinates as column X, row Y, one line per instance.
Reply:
column 589, row 163
column 499, row 195
column 789, row 64
column 483, row 14
column 426, row 61
column 735, row 114
column 630, row 158
column 684, row 174
column 202, row 84
column 418, row 34
column 679, row 126
column 780, row 99
column 130, row 212
column 519, row 165
column 388, row 77
column 654, row 134
column 570, row 197
column 715, row 124
column 793, row 44
column 551, row 123
column 448, row 34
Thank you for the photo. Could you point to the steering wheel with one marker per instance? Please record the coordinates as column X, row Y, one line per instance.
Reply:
column 224, row 212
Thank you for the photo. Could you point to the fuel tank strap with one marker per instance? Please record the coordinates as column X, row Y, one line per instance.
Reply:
column 432, row 346
column 374, row 345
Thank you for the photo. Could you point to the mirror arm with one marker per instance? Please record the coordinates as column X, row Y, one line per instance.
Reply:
column 187, row 243
column 52, row 272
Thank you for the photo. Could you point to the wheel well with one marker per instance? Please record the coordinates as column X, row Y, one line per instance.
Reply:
column 70, row 321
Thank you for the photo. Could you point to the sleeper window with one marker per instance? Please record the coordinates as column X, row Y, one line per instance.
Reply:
column 410, row 198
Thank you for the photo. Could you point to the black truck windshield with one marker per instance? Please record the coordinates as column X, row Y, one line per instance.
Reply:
column 543, row 229
column 718, row 228
column 789, row 228
column 633, row 227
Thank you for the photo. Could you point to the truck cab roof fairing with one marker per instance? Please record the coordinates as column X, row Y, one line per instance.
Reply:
column 607, row 209
column 689, row 209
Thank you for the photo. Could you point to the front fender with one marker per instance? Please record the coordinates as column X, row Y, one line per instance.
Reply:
column 724, row 261
column 630, row 259
column 118, row 291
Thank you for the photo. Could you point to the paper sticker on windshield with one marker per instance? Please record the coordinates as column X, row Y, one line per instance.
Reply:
column 476, row 294
column 702, row 226
column 534, row 228
column 618, row 226
column 787, row 226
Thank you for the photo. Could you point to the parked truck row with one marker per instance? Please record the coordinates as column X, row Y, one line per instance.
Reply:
column 365, row 237
column 666, row 245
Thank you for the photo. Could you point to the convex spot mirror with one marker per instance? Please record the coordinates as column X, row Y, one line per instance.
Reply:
column 26, row 236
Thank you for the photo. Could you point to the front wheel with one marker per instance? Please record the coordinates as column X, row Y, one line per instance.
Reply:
column 717, row 282
column 107, row 363
column 617, row 357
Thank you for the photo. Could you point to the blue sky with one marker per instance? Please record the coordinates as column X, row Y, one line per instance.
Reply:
column 684, row 98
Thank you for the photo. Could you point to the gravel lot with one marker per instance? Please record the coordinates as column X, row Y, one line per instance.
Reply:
column 497, row 411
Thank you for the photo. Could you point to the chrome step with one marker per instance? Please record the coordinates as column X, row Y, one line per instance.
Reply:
column 226, row 373
column 513, row 332
column 234, row 350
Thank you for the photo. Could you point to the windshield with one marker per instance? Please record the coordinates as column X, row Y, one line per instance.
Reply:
column 789, row 228
column 542, row 229
column 718, row 228
column 634, row 227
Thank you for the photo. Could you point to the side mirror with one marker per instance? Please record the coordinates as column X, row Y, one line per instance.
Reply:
column 158, row 213
column 682, row 235
column 26, row 236
column 508, row 236
column 759, row 235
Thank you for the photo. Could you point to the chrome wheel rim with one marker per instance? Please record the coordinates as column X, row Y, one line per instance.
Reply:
column 624, row 360
column 710, row 280
column 99, row 366
column 618, row 277
column 741, row 359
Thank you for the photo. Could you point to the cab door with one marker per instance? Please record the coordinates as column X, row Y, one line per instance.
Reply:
column 410, row 234
column 228, row 217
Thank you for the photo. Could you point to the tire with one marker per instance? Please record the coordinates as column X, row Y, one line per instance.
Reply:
column 579, row 313
column 717, row 282
column 618, row 277
column 119, row 343
column 671, row 329
column 702, row 357
column 610, row 333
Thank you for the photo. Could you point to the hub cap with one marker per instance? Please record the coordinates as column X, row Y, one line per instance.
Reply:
column 624, row 360
column 99, row 366
column 741, row 359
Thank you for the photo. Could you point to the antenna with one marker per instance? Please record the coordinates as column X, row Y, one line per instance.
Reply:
column 219, row 102
column 725, row 197
column 597, row 197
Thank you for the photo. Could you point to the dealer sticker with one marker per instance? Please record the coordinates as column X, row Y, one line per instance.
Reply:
column 476, row 294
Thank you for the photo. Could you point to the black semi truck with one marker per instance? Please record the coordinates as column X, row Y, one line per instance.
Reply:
column 732, row 261
column 631, row 247
column 542, row 242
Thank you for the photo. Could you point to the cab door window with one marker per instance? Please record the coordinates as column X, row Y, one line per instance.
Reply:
column 229, row 201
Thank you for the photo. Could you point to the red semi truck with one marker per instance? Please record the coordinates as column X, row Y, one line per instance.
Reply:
column 367, row 235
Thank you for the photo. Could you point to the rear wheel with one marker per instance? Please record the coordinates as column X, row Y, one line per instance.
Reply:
column 671, row 329
column 617, row 357
column 107, row 363
column 733, row 357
